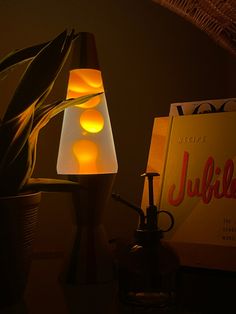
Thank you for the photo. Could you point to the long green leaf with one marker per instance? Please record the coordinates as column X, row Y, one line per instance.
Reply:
column 40, row 74
column 44, row 114
column 13, row 136
column 33, row 153
column 19, row 56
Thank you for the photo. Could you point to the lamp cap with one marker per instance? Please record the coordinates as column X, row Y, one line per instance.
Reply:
column 84, row 54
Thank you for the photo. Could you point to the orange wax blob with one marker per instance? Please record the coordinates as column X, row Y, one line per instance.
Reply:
column 83, row 82
column 91, row 77
column 86, row 153
column 92, row 121
column 91, row 103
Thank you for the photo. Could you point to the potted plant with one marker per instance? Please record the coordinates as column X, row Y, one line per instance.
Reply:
column 26, row 114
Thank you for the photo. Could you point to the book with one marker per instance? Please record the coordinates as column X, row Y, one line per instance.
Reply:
column 195, row 155
column 203, row 106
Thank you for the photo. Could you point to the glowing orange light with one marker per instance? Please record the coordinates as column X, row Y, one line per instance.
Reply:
column 92, row 121
column 76, row 83
column 92, row 77
column 86, row 153
column 84, row 147
column 93, row 102
column 84, row 81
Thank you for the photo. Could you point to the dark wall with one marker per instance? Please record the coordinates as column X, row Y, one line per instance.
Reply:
column 149, row 57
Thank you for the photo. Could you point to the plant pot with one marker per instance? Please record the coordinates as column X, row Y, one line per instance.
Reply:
column 18, row 218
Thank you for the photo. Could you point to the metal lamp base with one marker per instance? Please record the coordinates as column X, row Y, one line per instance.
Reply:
column 90, row 260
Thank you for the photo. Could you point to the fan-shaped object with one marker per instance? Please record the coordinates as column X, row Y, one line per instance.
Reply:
column 216, row 17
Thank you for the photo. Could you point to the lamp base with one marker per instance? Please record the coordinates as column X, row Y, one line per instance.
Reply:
column 90, row 260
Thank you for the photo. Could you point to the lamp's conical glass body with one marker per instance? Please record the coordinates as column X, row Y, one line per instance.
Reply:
column 86, row 144
column 87, row 151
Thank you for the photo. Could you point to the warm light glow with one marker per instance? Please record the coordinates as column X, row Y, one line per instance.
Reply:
column 86, row 153
column 86, row 145
column 24, row 119
column 83, row 82
column 93, row 102
column 92, row 77
column 92, row 121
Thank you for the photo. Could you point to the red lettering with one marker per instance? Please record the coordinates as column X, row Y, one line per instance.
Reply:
column 207, row 176
column 210, row 187
column 233, row 188
column 181, row 193
column 193, row 191
column 227, row 177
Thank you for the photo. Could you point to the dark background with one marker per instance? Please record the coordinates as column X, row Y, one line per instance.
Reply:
column 149, row 57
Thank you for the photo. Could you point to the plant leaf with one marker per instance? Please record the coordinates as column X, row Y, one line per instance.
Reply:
column 43, row 116
column 45, row 113
column 33, row 152
column 40, row 74
column 14, row 135
column 18, row 56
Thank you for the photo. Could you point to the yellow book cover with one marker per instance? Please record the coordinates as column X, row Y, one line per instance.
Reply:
column 198, row 186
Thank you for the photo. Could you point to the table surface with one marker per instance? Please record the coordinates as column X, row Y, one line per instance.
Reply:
column 46, row 295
